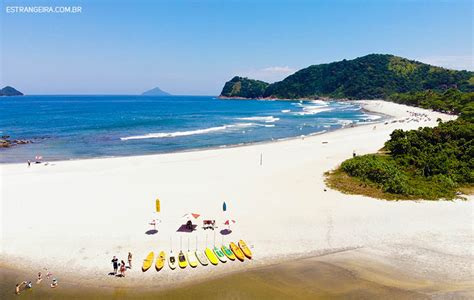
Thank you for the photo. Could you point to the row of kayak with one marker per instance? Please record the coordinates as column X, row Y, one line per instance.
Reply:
column 193, row 258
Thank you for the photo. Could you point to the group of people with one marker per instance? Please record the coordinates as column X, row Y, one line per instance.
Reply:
column 29, row 284
column 123, row 267
column 418, row 116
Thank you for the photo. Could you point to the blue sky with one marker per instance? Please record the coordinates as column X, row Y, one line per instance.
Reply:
column 193, row 47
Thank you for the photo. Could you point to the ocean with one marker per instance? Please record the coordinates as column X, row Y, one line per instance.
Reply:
column 77, row 127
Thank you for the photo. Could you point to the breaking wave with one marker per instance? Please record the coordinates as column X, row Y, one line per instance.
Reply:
column 186, row 133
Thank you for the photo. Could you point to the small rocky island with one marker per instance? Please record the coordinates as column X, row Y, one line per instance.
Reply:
column 156, row 92
column 10, row 91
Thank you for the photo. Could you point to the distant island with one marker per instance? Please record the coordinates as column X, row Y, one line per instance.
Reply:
column 374, row 76
column 156, row 92
column 10, row 91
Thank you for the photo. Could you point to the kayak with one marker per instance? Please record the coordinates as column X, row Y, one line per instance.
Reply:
column 172, row 261
column 245, row 249
column 182, row 260
column 202, row 258
column 228, row 252
column 220, row 255
column 192, row 260
column 238, row 253
column 148, row 261
column 160, row 261
column 211, row 256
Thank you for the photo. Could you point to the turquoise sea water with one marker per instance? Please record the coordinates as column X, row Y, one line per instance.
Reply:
column 72, row 127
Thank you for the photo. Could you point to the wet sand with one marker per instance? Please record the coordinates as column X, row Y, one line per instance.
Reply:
column 345, row 275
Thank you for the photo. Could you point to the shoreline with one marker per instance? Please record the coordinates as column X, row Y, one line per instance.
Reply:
column 384, row 118
column 348, row 271
column 95, row 208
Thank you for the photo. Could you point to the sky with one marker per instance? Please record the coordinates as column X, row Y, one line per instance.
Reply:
column 191, row 47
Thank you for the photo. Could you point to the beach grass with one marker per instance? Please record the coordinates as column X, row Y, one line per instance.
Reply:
column 417, row 187
column 339, row 180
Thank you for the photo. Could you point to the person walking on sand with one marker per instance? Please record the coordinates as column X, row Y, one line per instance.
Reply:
column 115, row 264
column 54, row 284
column 122, row 268
column 129, row 260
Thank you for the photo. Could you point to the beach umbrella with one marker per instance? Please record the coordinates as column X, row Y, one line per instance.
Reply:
column 224, row 206
column 190, row 216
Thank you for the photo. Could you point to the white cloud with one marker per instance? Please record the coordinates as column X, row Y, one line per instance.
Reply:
column 460, row 62
column 269, row 74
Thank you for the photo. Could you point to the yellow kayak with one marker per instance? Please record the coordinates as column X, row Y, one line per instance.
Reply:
column 230, row 255
column 211, row 256
column 192, row 260
column 160, row 261
column 182, row 260
column 245, row 249
column 238, row 253
column 148, row 261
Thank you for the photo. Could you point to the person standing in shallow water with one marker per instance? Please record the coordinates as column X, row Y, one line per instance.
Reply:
column 130, row 260
column 115, row 264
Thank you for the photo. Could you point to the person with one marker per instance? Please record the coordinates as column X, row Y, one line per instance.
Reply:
column 115, row 264
column 122, row 268
column 29, row 163
column 54, row 284
column 130, row 260
column 40, row 277
column 189, row 225
column 354, row 153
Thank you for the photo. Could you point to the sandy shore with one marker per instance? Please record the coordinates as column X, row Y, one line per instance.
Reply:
column 73, row 216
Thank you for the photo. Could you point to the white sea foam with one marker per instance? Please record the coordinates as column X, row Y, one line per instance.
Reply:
column 320, row 102
column 372, row 117
column 186, row 133
column 269, row 119
column 344, row 123
column 286, row 111
column 312, row 110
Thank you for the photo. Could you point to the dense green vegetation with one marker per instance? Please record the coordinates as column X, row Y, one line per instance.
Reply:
column 244, row 88
column 428, row 163
column 368, row 77
column 452, row 100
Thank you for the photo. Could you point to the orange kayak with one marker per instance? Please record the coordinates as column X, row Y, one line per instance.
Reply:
column 237, row 251
column 245, row 249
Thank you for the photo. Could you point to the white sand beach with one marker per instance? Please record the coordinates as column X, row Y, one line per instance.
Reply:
column 73, row 216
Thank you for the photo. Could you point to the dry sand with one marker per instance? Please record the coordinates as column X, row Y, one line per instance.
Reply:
column 73, row 216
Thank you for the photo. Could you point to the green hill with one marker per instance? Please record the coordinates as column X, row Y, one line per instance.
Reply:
column 242, row 87
column 369, row 77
